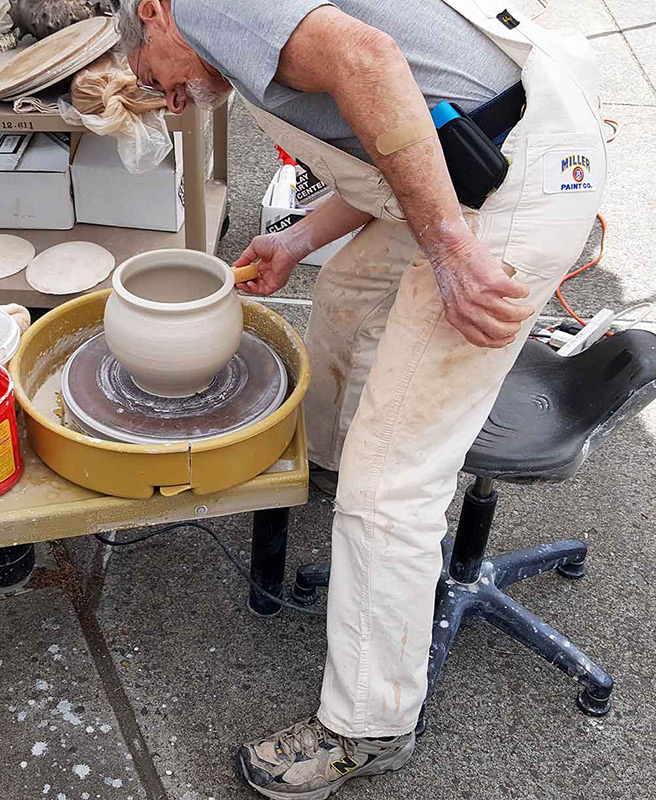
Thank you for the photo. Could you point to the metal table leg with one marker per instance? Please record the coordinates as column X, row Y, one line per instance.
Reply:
column 220, row 133
column 193, row 150
column 16, row 565
column 268, row 553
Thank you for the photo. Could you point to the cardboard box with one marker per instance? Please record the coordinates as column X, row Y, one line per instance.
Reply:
column 36, row 194
column 107, row 194
column 12, row 147
column 309, row 189
column 274, row 220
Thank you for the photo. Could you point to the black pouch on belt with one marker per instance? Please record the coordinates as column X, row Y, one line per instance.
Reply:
column 476, row 164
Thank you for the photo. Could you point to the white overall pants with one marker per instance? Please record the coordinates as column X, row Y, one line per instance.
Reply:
column 398, row 395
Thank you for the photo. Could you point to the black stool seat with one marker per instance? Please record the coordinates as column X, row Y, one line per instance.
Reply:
column 552, row 412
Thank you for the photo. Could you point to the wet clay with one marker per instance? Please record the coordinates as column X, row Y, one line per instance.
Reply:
column 173, row 320
column 48, row 398
column 173, row 284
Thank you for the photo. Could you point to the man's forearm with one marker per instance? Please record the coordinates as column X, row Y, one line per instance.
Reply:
column 381, row 99
column 331, row 220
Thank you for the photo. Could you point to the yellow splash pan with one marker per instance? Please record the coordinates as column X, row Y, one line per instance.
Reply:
column 136, row 471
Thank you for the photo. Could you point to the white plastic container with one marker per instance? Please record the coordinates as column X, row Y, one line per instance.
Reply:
column 10, row 336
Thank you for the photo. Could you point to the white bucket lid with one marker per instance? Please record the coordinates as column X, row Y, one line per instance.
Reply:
column 10, row 335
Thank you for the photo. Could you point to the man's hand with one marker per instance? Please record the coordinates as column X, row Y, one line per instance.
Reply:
column 279, row 253
column 277, row 260
column 475, row 291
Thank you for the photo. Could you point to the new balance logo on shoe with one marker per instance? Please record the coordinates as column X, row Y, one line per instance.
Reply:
column 344, row 765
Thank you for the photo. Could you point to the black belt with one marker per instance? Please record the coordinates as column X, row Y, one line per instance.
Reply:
column 498, row 116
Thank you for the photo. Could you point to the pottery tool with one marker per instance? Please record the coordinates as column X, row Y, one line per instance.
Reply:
column 247, row 273
column 102, row 400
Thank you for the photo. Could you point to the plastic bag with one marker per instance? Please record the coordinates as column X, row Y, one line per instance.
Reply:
column 106, row 100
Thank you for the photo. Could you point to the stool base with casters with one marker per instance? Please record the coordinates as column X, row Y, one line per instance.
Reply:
column 472, row 585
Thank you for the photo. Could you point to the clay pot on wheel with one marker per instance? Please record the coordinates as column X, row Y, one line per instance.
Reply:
column 173, row 320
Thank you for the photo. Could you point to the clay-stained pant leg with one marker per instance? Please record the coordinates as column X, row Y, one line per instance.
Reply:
column 354, row 294
column 428, row 395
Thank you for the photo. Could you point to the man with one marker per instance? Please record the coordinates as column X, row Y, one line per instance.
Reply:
column 418, row 319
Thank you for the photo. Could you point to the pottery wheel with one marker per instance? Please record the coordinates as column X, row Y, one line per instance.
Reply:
column 103, row 400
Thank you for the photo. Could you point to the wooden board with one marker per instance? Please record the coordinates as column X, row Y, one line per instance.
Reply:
column 44, row 506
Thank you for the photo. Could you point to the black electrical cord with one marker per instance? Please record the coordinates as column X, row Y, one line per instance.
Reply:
column 232, row 558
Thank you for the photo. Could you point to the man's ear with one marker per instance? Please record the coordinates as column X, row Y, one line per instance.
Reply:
column 152, row 13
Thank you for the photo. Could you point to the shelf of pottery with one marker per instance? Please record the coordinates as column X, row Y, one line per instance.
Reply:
column 69, row 209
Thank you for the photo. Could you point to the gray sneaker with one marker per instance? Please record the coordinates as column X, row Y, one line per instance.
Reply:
column 309, row 762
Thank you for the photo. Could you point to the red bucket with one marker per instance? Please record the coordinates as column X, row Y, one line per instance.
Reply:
column 11, row 463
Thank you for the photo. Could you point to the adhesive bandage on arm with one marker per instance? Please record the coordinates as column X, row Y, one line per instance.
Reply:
column 405, row 136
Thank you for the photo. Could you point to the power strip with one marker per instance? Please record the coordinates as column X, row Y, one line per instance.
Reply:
column 559, row 339
column 591, row 333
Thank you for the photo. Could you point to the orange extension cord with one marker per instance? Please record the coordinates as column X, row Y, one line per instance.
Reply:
column 578, row 271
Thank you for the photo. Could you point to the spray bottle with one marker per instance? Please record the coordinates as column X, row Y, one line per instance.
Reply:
column 284, row 192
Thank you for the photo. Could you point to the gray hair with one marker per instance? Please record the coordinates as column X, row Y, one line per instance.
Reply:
column 130, row 27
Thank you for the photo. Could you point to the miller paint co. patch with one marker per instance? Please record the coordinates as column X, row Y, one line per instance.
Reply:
column 567, row 172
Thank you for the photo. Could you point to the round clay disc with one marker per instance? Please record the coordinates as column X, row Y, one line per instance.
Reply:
column 70, row 267
column 103, row 401
column 15, row 254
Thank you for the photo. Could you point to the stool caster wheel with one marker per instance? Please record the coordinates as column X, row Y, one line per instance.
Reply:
column 593, row 706
column 572, row 571
column 308, row 578
column 303, row 596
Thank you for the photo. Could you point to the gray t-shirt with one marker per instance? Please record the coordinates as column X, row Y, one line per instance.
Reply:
column 450, row 58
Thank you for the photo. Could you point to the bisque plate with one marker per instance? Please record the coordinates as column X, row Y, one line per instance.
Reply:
column 70, row 267
column 64, row 71
column 15, row 254
column 38, row 61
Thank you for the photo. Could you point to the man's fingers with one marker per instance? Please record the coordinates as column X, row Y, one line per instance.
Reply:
column 514, row 289
column 494, row 330
column 505, row 311
column 493, row 308
column 484, row 330
column 247, row 257
column 479, row 339
column 258, row 287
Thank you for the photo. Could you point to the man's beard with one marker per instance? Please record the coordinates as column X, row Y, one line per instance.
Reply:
column 205, row 95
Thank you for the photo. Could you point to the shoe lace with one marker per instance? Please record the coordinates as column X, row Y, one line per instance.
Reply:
column 307, row 737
